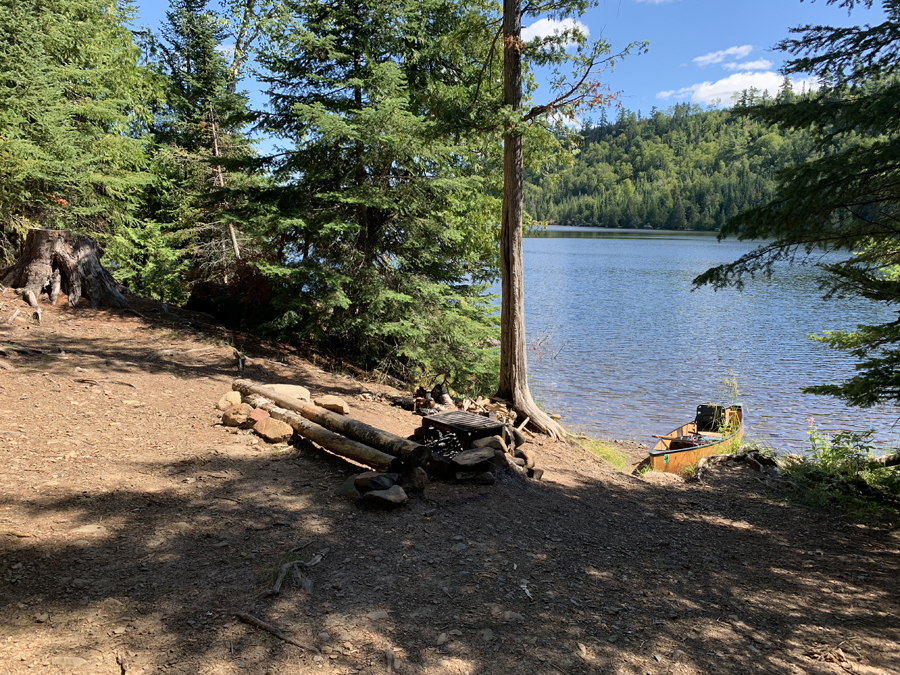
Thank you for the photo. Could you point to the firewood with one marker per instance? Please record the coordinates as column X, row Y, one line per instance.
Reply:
column 410, row 452
column 331, row 441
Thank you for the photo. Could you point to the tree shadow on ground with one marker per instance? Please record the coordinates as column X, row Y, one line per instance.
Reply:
column 586, row 572
column 600, row 576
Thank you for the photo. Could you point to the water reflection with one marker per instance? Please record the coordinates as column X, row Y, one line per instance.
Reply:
column 623, row 348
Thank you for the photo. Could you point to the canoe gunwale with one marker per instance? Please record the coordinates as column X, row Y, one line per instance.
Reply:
column 713, row 442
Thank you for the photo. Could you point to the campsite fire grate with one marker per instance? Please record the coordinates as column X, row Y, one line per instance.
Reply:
column 465, row 426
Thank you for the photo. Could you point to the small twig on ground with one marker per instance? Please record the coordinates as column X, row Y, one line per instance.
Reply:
column 315, row 560
column 12, row 317
column 97, row 383
column 173, row 352
column 301, row 547
column 276, row 589
column 522, row 425
column 274, row 630
column 123, row 664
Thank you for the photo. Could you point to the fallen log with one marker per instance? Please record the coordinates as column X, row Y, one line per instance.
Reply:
column 331, row 441
column 884, row 461
column 410, row 452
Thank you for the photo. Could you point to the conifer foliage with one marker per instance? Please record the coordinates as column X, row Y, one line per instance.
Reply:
column 847, row 200
column 71, row 112
column 385, row 219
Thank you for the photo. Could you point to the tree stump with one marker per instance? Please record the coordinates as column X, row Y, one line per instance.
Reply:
column 55, row 261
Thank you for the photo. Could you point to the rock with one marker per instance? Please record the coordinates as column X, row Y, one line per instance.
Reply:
column 236, row 415
column 555, row 416
column 294, row 391
column 487, row 634
column 513, row 616
column 80, row 583
column 536, row 474
column 256, row 415
column 374, row 480
column 456, row 548
column 68, row 661
column 229, row 399
column 509, row 438
column 324, row 637
column 378, row 615
column 414, row 480
column 440, row 467
column 518, row 461
column 348, row 490
column 442, row 639
column 478, row 459
column 475, row 477
column 273, row 431
column 333, row 403
column 527, row 455
column 518, row 437
column 43, row 617
column 491, row 442
column 391, row 497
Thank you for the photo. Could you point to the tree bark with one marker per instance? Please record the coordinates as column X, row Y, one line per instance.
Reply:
column 884, row 461
column 55, row 260
column 329, row 440
column 513, row 361
column 410, row 452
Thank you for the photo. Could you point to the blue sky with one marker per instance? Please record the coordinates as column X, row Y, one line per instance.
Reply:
column 701, row 51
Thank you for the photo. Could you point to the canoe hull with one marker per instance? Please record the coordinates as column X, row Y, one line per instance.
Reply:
column 669, row 457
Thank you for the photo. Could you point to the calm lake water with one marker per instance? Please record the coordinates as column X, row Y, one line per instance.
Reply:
column 622, row 348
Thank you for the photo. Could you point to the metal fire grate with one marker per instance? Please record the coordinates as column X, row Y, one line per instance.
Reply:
column 466, row 426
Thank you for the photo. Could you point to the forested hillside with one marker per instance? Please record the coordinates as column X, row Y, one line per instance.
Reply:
column 681, row 168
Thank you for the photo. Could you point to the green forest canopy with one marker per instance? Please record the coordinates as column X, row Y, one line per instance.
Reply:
column 373, row 232
column 685, row 168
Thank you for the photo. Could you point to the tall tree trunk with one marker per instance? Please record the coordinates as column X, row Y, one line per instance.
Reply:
column 513, row 361
column 220, row 182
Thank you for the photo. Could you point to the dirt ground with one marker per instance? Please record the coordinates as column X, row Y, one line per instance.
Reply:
column 132, row 527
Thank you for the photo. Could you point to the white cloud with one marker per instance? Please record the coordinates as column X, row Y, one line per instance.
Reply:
column 547, row 27
column 722, row 54
column 759, row 64
column 724, row 89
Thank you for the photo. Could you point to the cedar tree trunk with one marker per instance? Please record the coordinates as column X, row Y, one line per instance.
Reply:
column 56, row 260
column 513, row 363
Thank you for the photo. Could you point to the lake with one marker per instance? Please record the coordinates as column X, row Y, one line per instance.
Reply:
column 621, row 346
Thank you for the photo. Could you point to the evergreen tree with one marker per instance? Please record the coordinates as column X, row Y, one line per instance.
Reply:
column 386, row 220
column 847, row 199
column 188, row 231
column 70, row 119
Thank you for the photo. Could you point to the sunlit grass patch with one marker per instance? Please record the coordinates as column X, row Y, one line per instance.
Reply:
column 615, row 458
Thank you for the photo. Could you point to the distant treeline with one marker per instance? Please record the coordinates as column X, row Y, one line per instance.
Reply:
column 681, row 168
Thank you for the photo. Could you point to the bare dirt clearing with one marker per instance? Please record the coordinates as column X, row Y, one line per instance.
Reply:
column 132, row 527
